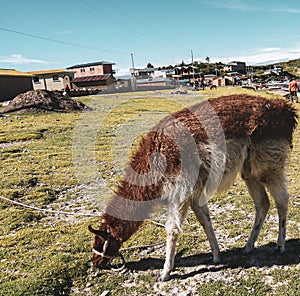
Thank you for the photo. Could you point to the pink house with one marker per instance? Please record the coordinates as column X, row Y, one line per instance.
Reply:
column 93, row 75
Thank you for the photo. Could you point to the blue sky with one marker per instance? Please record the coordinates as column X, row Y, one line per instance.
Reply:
column 38, row 35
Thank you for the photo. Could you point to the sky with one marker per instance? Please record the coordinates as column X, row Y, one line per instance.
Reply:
column 44, row 35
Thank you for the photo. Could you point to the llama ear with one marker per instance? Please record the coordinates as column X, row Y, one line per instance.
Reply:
column 94, row 231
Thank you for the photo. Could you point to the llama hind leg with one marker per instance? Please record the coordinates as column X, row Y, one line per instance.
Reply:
column 202, row 214
column 173, row 228
column 262, row 205
column 280, row 194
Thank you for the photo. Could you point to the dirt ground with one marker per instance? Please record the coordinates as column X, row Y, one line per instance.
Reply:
column 37, row 101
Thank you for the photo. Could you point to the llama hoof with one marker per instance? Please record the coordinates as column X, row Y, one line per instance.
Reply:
column 247, row 250
column 279, row 250
column 216, row 260
column 164, row 277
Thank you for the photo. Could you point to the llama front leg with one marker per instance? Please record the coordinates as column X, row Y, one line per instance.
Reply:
column 173, row 228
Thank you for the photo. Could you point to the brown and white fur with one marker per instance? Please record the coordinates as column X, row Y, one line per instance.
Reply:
column 191, row 154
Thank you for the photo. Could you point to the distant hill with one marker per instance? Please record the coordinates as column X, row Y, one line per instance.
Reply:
column 292, row 64
column 292, row 67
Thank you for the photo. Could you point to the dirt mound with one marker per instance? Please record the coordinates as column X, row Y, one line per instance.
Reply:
column 42, row 101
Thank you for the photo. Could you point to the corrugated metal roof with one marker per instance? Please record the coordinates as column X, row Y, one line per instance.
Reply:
column 90, row 64
column 12, row 72
column 91, row 78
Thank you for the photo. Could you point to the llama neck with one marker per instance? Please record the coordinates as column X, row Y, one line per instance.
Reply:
column 131, row 205
column 121, row 229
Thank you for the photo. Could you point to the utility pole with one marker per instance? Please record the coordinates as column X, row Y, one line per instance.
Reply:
column 193, row 64
column 132, row 61
column 133, row 79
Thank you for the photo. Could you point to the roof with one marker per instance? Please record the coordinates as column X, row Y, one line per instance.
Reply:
column 44, row 72
column 186, row 67
column 12, row 72
column 92, row 78
column 90, row 64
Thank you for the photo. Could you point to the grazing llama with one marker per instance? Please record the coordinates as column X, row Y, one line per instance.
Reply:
column 191, row 154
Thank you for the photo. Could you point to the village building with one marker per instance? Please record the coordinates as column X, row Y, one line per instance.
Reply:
column 151, row 73
column 235, row 66
column 13, row 82
column 96, row 75
column 277, row 70
column 189, row 73
column 52, row 79
column 147, row 79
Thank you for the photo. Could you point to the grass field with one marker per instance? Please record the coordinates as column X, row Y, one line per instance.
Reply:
column 70, row 162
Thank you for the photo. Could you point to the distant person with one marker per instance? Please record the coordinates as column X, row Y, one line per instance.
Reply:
column 196, row 85
column 67, row 90
column 293, row 88
column 202, row 81
column 233, row 81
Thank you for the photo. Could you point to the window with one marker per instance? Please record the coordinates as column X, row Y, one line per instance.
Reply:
column 55, row 78
column 82, row 70
column 36, row 79
column 92, row 69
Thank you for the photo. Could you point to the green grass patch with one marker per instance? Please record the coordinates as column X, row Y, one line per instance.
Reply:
column 46, row 254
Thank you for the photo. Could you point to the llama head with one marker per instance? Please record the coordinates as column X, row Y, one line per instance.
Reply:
column 105, row 247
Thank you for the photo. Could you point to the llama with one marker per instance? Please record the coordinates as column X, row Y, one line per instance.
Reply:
column 193, row 153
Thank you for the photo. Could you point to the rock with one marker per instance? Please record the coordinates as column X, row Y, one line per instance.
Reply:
column 179, row 91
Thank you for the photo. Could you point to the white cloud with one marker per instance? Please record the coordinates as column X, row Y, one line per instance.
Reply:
column 20, row 60
column 286, row 10
column 270, row 49
column 265, row 56
column 122, row 71
column 245, row 6
column 233, row 4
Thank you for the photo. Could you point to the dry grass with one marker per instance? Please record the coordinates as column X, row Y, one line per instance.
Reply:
column 44, row 254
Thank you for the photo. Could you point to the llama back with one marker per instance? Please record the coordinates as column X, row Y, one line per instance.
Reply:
column 235, row 117
column 182, row 145
column 257, row 117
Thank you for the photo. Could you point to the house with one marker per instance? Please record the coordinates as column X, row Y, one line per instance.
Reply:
column 52, row 79
column 142, row 73
column 151, row 73
column 186, row 72
column 239, row 67
column 277, row 70
column 13, row 82
column 208, row 78
column 155, row 83
column 98, row 75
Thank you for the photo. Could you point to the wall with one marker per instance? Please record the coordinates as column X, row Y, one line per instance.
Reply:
column 93, row 70
column 47, row 82
column 11, row 86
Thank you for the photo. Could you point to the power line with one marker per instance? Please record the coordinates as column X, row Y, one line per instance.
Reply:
column 114, row 18
column 125, row 14
column 97, row 10
column 62, row 42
